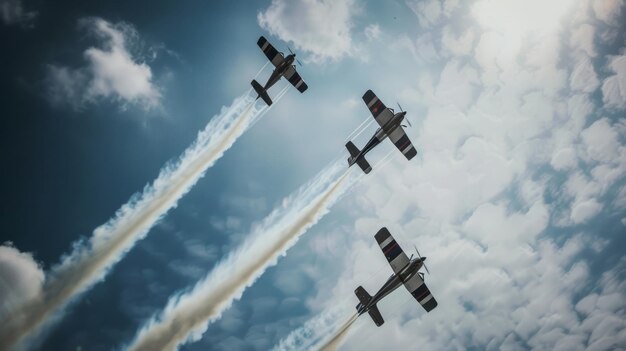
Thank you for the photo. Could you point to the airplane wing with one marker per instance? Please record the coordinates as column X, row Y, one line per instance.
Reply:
column 420, row 292
column 272, row 54
column 381, row 113
column 399, row 138
column 392, row 251
column 294, row 78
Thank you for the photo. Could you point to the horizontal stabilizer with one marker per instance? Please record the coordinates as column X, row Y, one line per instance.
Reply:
column 262, row 92
column 362, row 295
column 352, row 149
column 361, row 161
column 365, row 166
column 376, row 317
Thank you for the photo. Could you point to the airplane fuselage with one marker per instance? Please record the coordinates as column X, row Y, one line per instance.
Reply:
column 392, row 284
column 279, row 71
column 380, row 135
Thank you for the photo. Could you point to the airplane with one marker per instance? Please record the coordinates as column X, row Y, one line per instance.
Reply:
column 405, row 272
column 284, row 68
column 390, row 126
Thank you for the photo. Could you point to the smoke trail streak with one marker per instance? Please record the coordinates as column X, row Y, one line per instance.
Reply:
column 366, row 120
column 257, row 74
column 186, row 317
column 278, row 97
column 315, row 330
column 360, row 129
column 379, row 165
column 261, row 70
column 385, row 160
column 335, row 341
column 91, row 259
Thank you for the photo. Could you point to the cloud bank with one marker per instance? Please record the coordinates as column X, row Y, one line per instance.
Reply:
column 111, row 72
column 520, row 162
column 321, row 28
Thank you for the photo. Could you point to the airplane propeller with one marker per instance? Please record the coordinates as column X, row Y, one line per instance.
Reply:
column 406, row 119
column 423, row 262
column 300, row 63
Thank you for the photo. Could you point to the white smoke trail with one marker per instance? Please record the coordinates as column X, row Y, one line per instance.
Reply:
column 187, row 316
column 360, row 129
column 335, row 340
column 91, row 259
column 315, row 330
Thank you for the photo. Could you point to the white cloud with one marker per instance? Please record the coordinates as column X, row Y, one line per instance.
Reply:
column 422, row 48
column 564, row 159
column 582, row 38
column 21, row 279
column 607, row 11
column 322, row 28
column 458, row 45
column 200, row 249
column 12, row 12
column 428, row 12
column 290, row 282
column 620, row 199
column 601, row 142
column 519, row 19
column 111, row 72
column 584, row 78
column 372, row 32
column 457, row 85
column 614, row 87
column 584, row 211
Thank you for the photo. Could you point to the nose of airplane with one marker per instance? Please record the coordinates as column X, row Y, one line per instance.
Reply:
column 423, row 259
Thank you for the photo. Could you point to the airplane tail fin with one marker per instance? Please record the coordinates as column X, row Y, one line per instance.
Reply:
column 262, row 92
column 364, row 298
column 376, row 316
column 361, row 161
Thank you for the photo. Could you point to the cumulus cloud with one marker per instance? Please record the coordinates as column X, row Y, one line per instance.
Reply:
column 601, row 141
column 12, row 12
column 458, row 45
column 607, row 11
column 614, row 87
column 582, row 37
column 427, row 12
column 372, row 32
column 584, row 77
column 21, row 279
column 564, row 159
column 583, row 211
column 111, row 72
column 321, row 28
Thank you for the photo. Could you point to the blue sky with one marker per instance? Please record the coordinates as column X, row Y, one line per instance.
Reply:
column 517, row 196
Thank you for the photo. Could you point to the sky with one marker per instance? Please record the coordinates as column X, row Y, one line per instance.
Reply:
column 517, row 195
